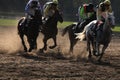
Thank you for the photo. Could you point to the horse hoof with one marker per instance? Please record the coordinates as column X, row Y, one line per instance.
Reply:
column 25, row 50
column 41, row 51
column 30, row 49
column 51, row 47
column 96, row 54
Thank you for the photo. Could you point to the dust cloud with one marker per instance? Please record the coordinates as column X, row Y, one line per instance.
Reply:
column 9, row 40
column 10, row 43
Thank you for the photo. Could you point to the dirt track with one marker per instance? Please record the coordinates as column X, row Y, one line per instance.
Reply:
column 54, row 64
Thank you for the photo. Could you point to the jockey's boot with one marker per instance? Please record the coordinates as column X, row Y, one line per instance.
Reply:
column 76, row 28
column 77, row 25
column 22, row 23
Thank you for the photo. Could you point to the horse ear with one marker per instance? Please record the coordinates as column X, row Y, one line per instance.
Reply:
column 112, row 13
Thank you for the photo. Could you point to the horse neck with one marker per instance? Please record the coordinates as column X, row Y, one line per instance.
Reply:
column 51, row 23
column 106, row 27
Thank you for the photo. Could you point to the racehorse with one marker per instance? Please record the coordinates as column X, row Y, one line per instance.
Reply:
column 31, row 30
column 73, row 28
column 103, row 36
column 50, row 30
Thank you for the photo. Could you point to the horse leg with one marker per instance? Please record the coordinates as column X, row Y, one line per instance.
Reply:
column 94, row 47
column 31, row 44
column 72, row 44
column 23, row 43
column 45, row 44
column 89, row 49
column 55, row 43
column 97, row 49
column 103, row 50
column 35, row 42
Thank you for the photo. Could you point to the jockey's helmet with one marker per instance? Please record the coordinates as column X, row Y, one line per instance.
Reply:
column 55, row 1
column 34, row 3
column 91, row 5
column 107, row 2
column 102, row 6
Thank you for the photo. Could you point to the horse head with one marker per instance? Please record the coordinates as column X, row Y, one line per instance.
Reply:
column 57, row 16
column 111, row 20
column 37, row 16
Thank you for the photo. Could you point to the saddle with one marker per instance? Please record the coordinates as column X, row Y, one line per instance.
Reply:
column 96, row 27
column 80, row 26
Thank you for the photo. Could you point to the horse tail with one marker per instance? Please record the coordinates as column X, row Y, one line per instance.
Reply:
column 67, row 29
column 81, row 36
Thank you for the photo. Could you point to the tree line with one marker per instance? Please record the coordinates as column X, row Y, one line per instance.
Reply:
column 68, row 7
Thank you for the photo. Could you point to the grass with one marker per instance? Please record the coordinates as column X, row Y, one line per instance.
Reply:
column 116, row 29
column 13, row 22
column 8, row 22
column 64, row 24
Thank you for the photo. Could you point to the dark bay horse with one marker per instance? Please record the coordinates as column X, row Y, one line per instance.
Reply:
column 31, row 30
column 103, row 36
column 50, row 30
column 73, row 28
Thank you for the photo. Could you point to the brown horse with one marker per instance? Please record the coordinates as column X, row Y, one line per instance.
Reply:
column 73, row 28
column 31, row 30
column 50, row 30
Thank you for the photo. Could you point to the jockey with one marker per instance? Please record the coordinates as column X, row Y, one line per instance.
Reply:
column 30, row 9
column 85, row 13
column 49, row 9
column 31, row 6
column 102, row 12
column 103, row 9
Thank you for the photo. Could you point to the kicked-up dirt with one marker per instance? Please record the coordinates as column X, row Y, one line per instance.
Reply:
column 55, row 64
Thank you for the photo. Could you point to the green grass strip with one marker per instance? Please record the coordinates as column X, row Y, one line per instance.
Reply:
column 14, row 22
column 8, row 22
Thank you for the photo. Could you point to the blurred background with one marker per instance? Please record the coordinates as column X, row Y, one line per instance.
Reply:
column 69, row 8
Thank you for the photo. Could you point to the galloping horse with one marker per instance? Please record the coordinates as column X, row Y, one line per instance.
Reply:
column 50, row 30
column 31, row 30
column 72, row 29
column 103, row 36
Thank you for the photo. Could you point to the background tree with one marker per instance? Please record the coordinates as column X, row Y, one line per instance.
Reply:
column 68, row 7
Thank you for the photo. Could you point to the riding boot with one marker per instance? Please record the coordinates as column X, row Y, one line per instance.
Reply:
column 23, row 22
column 77, row 25
column 76, row 28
